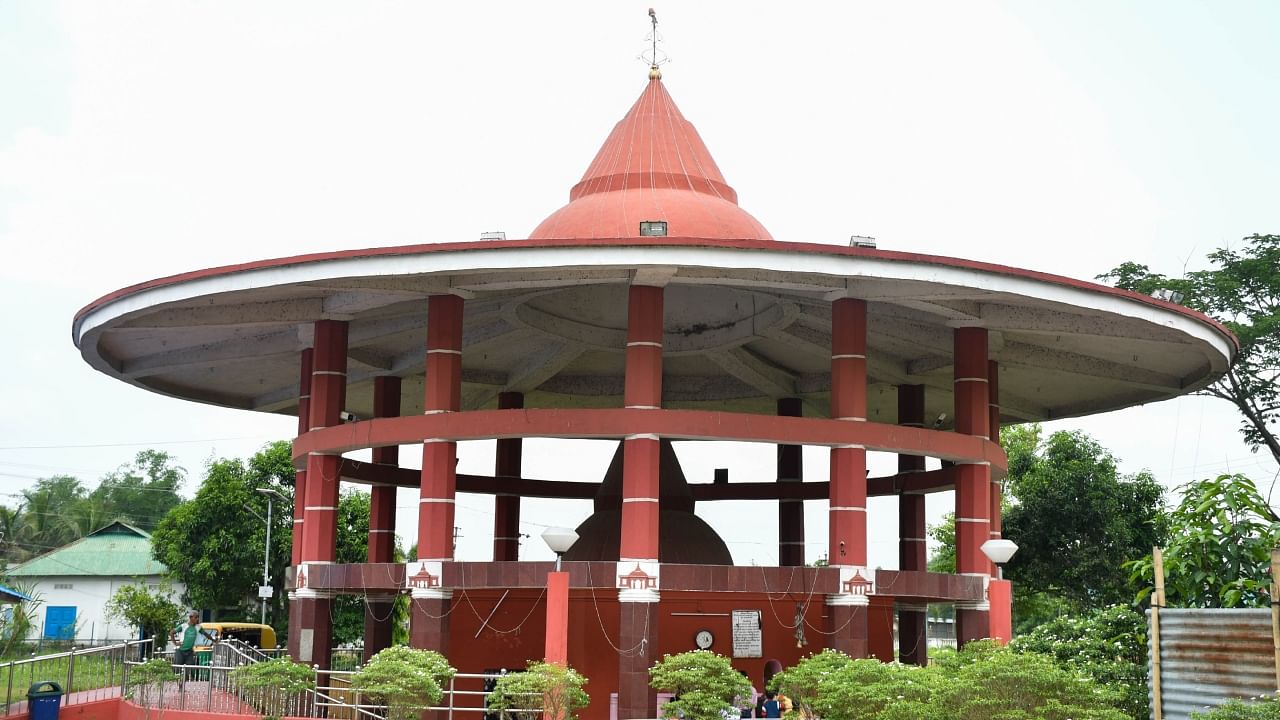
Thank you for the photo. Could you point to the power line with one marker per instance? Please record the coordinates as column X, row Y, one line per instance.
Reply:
column 134, row 444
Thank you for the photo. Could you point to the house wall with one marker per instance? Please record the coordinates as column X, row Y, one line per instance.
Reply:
column 89, row 596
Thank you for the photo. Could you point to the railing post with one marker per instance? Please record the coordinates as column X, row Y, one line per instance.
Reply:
column 71, row 674
column 8, row 694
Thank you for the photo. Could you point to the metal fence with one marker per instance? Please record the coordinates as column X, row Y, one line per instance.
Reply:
column 213, row 689
column 1208, row 656
column 85, row 675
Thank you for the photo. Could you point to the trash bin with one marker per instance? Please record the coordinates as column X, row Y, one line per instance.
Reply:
column 43, row 699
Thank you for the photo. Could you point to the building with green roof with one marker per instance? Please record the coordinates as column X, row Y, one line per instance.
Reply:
column 76, row 581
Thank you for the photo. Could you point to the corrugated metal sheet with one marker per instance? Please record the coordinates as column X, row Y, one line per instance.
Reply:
column 1208, row 656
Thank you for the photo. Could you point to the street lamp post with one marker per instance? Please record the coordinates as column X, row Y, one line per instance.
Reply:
column 999, row 590
column 557, row 642
column 265, row 591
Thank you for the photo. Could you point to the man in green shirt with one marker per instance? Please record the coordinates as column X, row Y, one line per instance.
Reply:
column 186, row 654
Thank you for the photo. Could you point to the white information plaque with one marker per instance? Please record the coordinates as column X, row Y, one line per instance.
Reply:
column 747, row 632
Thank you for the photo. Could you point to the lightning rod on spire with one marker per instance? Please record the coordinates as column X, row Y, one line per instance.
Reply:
column 652, row 56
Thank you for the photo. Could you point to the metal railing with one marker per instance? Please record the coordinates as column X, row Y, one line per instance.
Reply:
column 85, row 675
column 213, row 689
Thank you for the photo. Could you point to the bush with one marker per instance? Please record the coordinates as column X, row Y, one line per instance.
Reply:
column 405, row 679
column 705, row 685
column 1263, row 709
column 281, row 678
column 983, row 681
column 803, row 681
column 1108, row 645
column 543, row 688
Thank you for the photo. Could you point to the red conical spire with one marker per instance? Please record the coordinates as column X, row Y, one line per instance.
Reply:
column 653, row 166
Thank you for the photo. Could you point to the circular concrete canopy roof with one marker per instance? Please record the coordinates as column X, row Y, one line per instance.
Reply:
column 746, row 322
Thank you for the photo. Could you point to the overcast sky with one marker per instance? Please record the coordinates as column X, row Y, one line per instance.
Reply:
column 143, row 139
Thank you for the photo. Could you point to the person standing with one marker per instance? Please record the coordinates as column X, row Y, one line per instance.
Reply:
column 185, row 654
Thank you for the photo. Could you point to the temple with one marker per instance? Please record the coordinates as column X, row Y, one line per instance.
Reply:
column 651, row 308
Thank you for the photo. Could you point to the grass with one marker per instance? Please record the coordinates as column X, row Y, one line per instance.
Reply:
column 91, row 673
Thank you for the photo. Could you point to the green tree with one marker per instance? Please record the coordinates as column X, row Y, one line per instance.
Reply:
column 943, row 557
column 1219, row 548
column 214, row 542
column 353, row 547
column 542, row 690
column 278, row 682
column 140, row 493
column 704, row 683
column 1242, row 290
column 11, row 521
column 51, row 507
column 1077, row 520
column 156, row 613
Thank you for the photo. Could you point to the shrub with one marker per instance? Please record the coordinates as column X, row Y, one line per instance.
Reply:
column 1108, row 645
column 802, row 682
column 1262, row 709
column 405, row 679
column 279, row 678
column 543, row 688
column 983, row 681
column 146, row 683
column 705, row 685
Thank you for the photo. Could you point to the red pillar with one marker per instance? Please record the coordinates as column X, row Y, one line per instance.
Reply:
column 300, row 476
column 429, row 621
column 913, row 646
column 557, row 640
column 847, row 544
column 310, row 641
column 790, row 510
column 1000, row 594
column 973, row 481
column 506, row 507
column 638, row 615
column 382, row 521
column 993, row 426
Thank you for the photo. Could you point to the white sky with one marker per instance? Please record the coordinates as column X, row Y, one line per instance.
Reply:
column 142, row 139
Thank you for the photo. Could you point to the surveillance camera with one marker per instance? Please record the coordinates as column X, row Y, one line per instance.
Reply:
column 942, row 417
column 347, row 417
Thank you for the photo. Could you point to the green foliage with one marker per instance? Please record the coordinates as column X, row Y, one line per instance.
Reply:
column 704, row 683
column 1260, row 709
column 543, row 688
column 279, row 673
column 802, row 681
column 1243, row 291
column 281, row 677
column 1219, row 548
column 214, row 547
column 51, row 508
column 155, row 612
column 1077, row 555
column 353, row 547
column 140, row 493
column 406, row 680
column 980, row 682
column 17, row 627
column 146, row 681
column 943, row 559
column 1108, row 645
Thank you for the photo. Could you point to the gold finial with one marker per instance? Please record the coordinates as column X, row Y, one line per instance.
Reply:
column 652, row 56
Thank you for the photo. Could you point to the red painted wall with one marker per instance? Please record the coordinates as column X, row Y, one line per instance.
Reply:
column 515, row 633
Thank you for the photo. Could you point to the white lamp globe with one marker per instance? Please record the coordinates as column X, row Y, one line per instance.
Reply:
column 559, row 539
column 999, row 551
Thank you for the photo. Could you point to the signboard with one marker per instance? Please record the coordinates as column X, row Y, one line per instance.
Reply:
column 266, row 591
column 748, row 630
